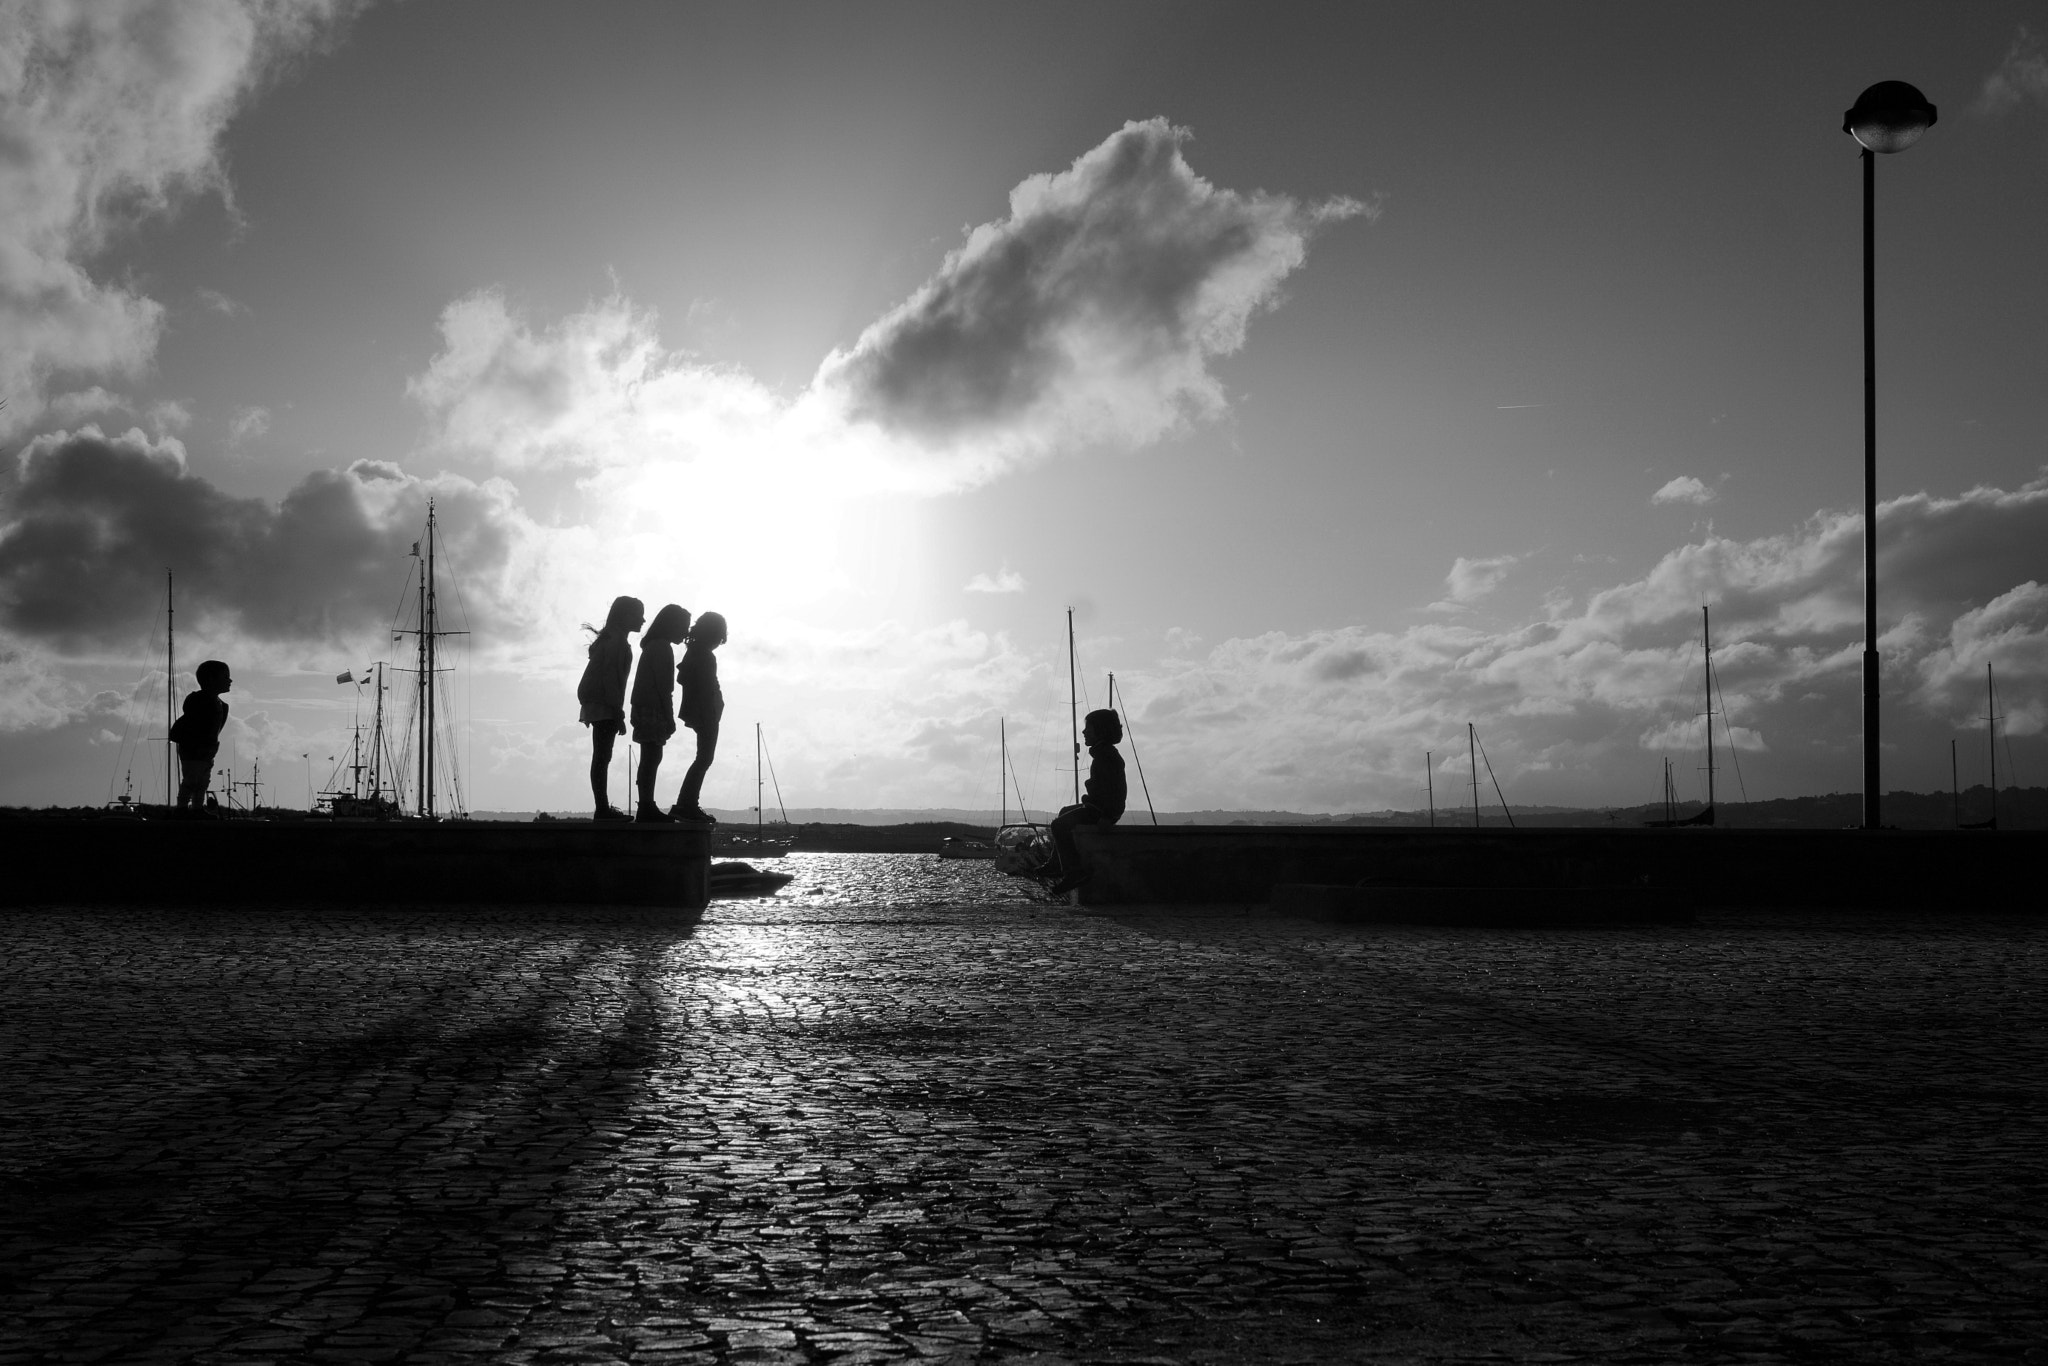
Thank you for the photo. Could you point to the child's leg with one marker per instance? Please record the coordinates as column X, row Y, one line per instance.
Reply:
column 601, row 737
column 1063, row 825
column 192, row 780
column 1063, row 838
column 650, row 764
column 693, row 781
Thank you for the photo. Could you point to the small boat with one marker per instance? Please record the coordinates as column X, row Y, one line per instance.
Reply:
column 762, row 843
column 1991, row 719
column 1025, row 851
column 960, row 846
column 744, row 879
column 1705, row 815
column 730, row 839
column 376, row 799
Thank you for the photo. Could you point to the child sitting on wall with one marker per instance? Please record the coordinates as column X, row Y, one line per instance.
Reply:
column 1102, row 802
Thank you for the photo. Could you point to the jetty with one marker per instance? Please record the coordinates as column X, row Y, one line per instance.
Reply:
column 1348, row 872
column 59, row 859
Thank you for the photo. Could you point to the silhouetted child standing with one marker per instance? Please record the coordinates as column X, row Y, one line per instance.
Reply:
column 602, row 693
column 1102, row 801
column 703, row 705
column 197, row 730
column 654, row 697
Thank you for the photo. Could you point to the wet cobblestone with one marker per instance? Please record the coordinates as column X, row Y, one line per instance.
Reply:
column 832, row 1132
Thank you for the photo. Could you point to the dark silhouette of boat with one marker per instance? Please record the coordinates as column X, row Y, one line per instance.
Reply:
column 1704, row 816
column 744, row 879
column 1991, row 736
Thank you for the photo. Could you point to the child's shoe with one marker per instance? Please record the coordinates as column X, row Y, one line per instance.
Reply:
column 608, row 812
column 1070, row 881
column 651, row 814
column 695, row 814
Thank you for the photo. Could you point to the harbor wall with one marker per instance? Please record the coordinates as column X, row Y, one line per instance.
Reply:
column 1137, row 864
column 362, row 862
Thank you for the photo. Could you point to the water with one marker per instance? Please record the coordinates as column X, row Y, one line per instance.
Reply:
column 901, row 881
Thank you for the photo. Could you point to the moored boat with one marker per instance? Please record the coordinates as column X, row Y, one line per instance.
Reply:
column 744, row 879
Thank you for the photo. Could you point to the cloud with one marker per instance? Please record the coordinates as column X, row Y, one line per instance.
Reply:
column 1008, row 581
column 2007, row 635
column 111, row 113
column 1471, row 580
column 89, row 523
column 2022, row 76
column 1089, row 315
column 248, row 424
column 1570, row 704
column 1683, row 489
column 80, row 404
column 217, row 302
column 34, row 693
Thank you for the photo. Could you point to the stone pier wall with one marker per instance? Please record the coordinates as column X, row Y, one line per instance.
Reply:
column 442, row 862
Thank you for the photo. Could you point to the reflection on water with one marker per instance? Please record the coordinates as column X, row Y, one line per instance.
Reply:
column 898, row 880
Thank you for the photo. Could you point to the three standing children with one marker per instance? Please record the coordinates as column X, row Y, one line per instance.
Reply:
column 603, row 698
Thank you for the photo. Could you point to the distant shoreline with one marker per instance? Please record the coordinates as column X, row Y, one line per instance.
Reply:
column 888, row 831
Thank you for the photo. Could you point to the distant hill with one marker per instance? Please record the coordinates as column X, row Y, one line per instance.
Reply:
column 2019, row 808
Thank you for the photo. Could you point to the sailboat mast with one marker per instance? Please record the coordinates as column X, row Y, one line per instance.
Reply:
column 1707, row 645
column 419, row 699
column 1955, row 789
column 760, row 816
column 1073, row 707
column 1003, row 766
column 428, row 630
column 1429, row 777
column 170, row 689
column 1472, row 753
column 377, row 738
column 1991, row 737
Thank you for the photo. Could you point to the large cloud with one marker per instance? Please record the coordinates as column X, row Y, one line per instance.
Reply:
column 1090, row 315
column 111, row 110
column 91, row 522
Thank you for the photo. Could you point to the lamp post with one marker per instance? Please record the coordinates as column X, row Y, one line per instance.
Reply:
column 1888, row 117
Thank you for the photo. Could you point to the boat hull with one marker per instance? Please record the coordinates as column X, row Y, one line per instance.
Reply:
column 66, row 860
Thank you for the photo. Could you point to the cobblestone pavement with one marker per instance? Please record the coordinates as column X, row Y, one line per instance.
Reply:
column 796, row 1132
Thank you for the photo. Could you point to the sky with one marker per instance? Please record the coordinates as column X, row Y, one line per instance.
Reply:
column 1353, row 372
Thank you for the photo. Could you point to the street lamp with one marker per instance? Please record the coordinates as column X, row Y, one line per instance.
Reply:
column 1888, row 117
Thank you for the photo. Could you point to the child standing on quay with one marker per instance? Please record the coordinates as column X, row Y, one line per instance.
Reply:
column 602, row 693
column 197, row 733
column 654, row 695
column 703, row 705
